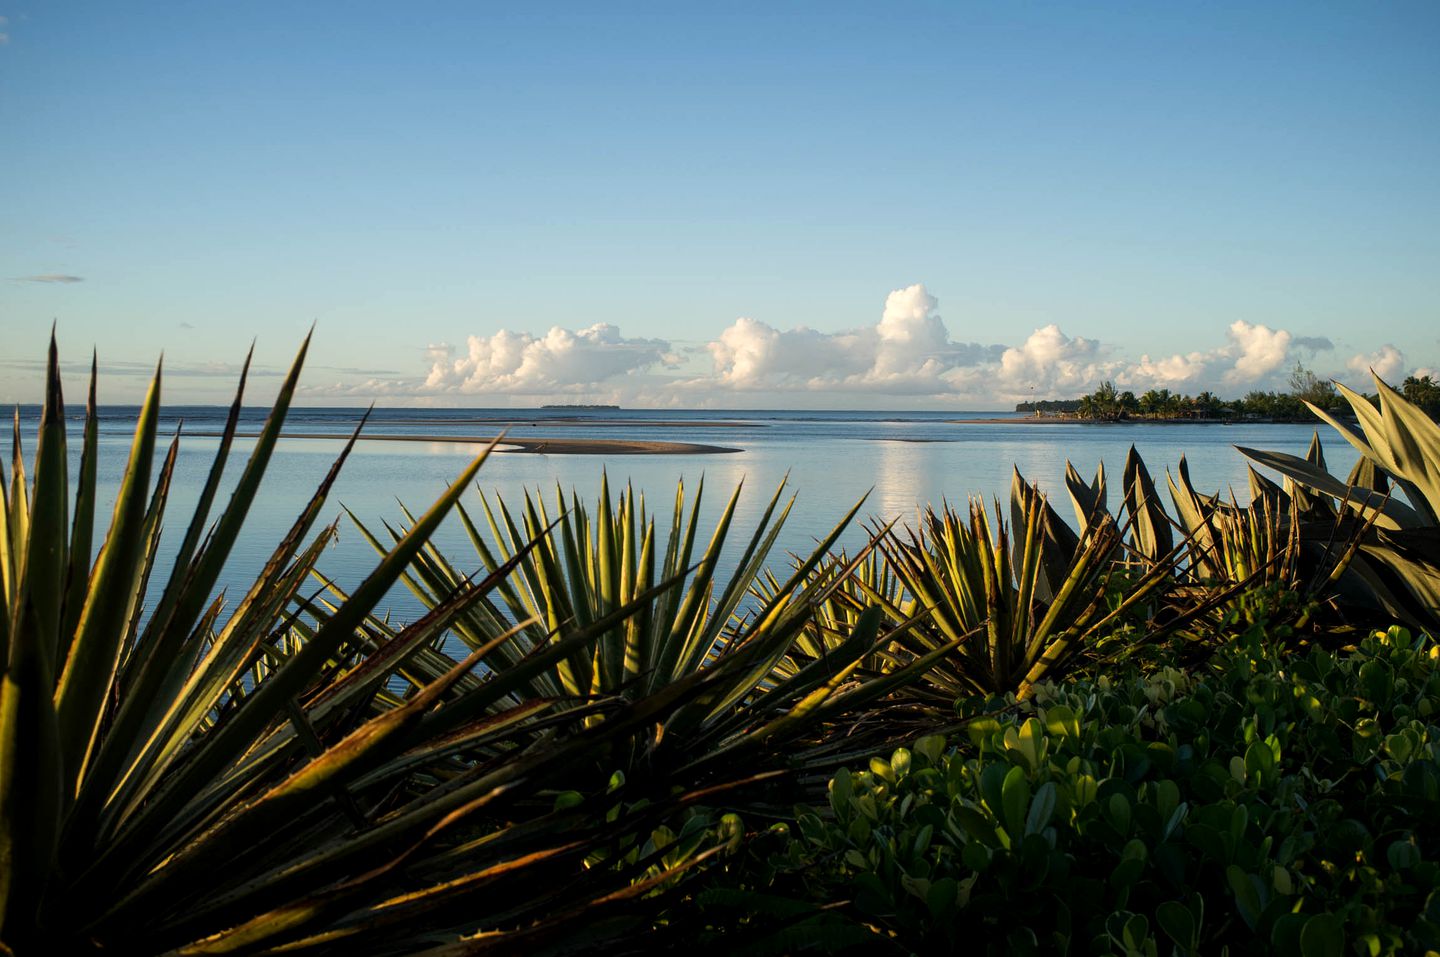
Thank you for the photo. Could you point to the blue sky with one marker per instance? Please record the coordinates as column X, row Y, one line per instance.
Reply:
column 908, row 204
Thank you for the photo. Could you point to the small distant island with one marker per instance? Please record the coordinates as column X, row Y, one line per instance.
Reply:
column 572, row 408
column 1109, row 404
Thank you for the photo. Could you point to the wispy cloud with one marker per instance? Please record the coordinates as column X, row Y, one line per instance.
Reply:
column 51, row 277
column 356, row 370
column 200, row 370
column 1313, row 343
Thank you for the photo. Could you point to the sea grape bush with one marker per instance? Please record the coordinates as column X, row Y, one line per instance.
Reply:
column 1275, row 802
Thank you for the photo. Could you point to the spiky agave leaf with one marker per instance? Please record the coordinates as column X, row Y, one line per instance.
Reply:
column 32, row 765
column 155, row 735
column 1150, row 533
column 762, row 677
column 1399, row 438
column 1087, row 498
column 968, row 586
column 1397, row 566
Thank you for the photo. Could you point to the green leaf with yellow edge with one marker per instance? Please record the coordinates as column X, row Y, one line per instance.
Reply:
column 89, row 670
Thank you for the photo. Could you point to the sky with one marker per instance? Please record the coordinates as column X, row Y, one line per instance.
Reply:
column 729, row 205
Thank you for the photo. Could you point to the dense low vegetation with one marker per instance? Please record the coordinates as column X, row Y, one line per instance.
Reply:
column 1271, row 802
column 1183, row 728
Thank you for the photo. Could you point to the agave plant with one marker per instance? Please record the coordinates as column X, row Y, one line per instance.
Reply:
column 1015, row 615
column 759, row 683
column 1265, row 543
column 1397, row 565
column 173, row 779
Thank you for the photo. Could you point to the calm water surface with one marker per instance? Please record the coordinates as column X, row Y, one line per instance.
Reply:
column 832, row 459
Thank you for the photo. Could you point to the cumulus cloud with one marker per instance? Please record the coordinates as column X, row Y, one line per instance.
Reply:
column 909, row 351
column 1257, row 350
column 1049, row 360
column 50, row 277
column 750, row 354
column 1253, row 357
column 1176, row 371
column 1387, row 362
column 560, row 360
column 911, row 338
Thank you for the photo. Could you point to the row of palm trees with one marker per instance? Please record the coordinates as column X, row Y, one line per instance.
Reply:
column 1109, row 403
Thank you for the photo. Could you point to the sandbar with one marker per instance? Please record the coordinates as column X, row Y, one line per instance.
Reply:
column 560, row 422
column 557, row 446
column 1018, row 420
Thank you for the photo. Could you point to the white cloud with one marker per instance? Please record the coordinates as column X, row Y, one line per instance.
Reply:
column 1388, row 363
column 750, row 354
column 908, row 352
column 1051, row 361
column 1177, row 370
column 559, row 361
column 1254, row 357
column 910, row 337
column 1257, row 350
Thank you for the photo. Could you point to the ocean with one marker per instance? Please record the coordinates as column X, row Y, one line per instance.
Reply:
column 896, row 461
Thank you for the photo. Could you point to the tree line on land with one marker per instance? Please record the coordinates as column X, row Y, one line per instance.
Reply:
column 1107, row 403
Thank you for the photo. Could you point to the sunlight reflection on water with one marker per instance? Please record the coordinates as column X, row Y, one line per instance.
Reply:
column 831, row 465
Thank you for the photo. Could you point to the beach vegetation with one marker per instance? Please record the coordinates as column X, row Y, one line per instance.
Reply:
column 1424, row 393
column 1196, row 728
column 1267, row 803
column 1306, row 389
column 297, row 776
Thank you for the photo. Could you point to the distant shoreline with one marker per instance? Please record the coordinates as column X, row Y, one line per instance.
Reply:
column 1076, row 420
column 508, row 444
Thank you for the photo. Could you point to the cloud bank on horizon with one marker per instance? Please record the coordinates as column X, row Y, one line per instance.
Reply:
column 908, row 354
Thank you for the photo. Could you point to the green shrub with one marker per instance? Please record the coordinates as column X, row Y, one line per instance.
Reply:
column 1275, row 803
